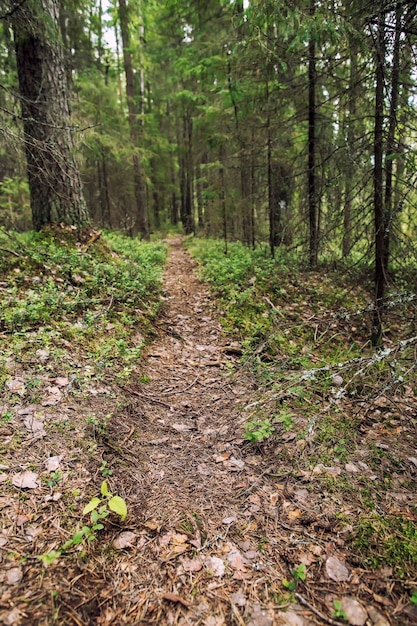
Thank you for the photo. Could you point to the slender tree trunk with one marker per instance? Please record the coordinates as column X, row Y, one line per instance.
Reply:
column 104, row 189
column 391, row 148
column 223, row 200
column 349, row 174
column 380, row 253
column 174, row 198
column 54, row 179
column 199, row 194
column 187, row 179
column 134, row 125
column 312, row 187
column 252, row 192
column 271, row 211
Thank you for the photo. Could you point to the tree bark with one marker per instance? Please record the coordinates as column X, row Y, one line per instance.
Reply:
column 312, row 191
column 54, row 179
column 391, row 140
column 134, row 125
column 380, row 277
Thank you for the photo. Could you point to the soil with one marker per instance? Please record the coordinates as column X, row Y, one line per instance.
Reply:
column 215, row 523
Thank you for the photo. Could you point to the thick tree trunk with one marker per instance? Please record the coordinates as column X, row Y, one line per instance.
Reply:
column 54, row 179
column 135, row 130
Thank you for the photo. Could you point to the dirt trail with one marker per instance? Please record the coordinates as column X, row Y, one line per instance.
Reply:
column 208, row 551
column 214, row 523
column 220, row 522
column 189, row 406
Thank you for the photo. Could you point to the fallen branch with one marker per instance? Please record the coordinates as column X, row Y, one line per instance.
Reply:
column 324, row 618
column 145, row 397
column 10, row 252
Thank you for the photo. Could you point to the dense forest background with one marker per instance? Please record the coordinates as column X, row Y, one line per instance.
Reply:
column 291, row 123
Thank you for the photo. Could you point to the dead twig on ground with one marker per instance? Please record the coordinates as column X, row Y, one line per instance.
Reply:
column 145, row 397
column 324, row 618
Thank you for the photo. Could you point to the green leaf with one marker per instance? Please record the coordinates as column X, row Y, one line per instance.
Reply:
column 118, row 505
column 288, row 584
column 300, row 572
column 104, row 489
column 49, row 557
column 93, row 504
column 413, row 598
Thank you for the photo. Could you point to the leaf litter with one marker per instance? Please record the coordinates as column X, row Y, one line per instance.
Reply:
column 214, row 523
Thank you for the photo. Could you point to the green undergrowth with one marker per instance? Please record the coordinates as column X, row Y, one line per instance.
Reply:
column 96, row 298
column 387, row 541
column 335, row 410
column 275, row 307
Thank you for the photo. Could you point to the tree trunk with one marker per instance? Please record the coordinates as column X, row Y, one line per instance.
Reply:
column 54, row 179
column 312, row 191
column 349, row 174
column 380, row 254
column 391, row 140
column 223, row 199
column 187, row 175
column 135, row 129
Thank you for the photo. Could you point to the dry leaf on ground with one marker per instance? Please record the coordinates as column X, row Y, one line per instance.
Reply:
column 11, row 618
column 16, row 385
column 377, row 618
column 260, row 617
column 215, row 565
column 53, row 463
column 290, row 619
column 126, row 539
column 336, row 570
column 191, row 565
column 26, row 480
column 355, row 613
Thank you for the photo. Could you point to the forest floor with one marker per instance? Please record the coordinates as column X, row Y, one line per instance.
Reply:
column 219, row 530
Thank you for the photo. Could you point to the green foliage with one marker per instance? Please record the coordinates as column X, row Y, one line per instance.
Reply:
column 15, row 202
column 105, row 471
column 386, row 540
column 413, row 597
column 299, row 573
column 99, row 508
column 54, row 479
column 97, row 298
column 258, row 429
column 108, row 502
column 338, row 612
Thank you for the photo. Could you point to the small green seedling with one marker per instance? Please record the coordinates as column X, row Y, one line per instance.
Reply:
column 99, row 509
column 298, row 573
column 54, row 479
column 413, row 598
column 108, row 503
column 105, row 471
column 338, row 612
column 259, row 430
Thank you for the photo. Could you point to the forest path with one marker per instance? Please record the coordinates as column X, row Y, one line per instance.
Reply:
column 209, row 551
